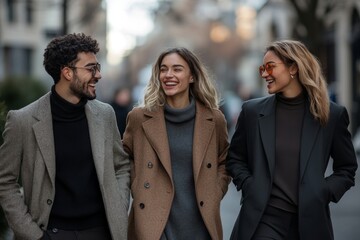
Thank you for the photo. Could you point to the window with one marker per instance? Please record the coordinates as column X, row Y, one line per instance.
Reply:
column 11, row 10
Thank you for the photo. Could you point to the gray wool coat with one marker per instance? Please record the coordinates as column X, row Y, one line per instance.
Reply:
column 28, row 154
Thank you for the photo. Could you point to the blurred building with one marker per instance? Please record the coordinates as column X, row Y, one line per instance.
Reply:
column 213, row 29
column 27, row 26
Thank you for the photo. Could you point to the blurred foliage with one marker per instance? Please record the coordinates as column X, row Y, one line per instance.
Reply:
column 15, row 93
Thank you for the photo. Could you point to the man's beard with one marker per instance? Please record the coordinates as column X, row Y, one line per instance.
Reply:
column 80, row 89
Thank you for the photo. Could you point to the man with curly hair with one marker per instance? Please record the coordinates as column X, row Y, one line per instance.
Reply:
column 63, row 171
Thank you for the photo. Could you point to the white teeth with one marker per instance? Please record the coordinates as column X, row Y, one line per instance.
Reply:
column 170, row 83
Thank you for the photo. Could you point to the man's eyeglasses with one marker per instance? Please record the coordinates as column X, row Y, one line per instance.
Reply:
column 268, row 68
column 91, row 68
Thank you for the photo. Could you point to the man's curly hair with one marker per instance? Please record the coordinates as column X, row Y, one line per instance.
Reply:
column 62, row 51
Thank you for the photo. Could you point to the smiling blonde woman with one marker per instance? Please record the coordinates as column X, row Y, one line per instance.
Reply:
column 177, row 142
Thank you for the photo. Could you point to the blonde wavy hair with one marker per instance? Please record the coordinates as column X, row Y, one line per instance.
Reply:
column 309, row 75
column 202, row 89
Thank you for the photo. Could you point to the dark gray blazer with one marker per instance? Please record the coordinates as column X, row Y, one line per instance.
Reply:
column 28, row 151
column 251, row 161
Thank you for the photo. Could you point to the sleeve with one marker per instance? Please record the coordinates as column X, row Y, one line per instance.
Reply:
column 223, row 145
column 344, row 159
column 11, row 198
column 121, row 164
column 128, row 142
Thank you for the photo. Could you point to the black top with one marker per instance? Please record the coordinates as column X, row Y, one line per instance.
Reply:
column 289, row 120
column 121, row 113
column 78, row 202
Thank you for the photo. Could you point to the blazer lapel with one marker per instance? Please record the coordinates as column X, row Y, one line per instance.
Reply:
column 310, row 131
column 43, row 131
column 267, row 132
column 155, row 131
column 203, row 130
column 97, row 138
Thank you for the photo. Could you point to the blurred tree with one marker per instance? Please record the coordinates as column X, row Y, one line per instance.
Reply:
column 15, row 93
column 310, row 25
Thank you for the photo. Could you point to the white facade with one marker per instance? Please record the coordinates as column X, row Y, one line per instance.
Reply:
column 26, row 27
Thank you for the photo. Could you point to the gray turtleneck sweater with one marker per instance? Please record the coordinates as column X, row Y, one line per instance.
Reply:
column 185, row 221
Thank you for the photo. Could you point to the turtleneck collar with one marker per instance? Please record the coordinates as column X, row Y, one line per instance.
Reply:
column 180, row 115
column 294, row 101
column 65, row 111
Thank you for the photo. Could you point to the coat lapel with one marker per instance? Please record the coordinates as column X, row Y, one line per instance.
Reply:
column 97, row 138
column 44, row 135
column 267, row 132
column 155, row 131
column 310, row 131
column 203, row 130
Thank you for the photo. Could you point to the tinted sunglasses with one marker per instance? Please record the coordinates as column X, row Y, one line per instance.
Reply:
column 268, row 67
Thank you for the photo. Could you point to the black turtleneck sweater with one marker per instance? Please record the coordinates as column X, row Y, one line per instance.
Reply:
column 289, row 121
column 78, row 202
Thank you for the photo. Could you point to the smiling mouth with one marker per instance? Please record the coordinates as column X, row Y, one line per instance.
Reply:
column 170, row 84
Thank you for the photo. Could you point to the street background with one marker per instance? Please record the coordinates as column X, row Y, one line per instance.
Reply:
column 229, row 36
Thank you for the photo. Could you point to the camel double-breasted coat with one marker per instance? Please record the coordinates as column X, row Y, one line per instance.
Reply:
column 251, row 163
column 152, row 187
column 28, row 153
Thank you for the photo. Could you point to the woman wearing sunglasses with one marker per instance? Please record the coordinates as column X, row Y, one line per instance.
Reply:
column 281, row 148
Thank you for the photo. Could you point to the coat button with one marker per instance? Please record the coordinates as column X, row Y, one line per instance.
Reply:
column 201, row 203
column 150, row 165
column 209, row 165
column 147, row 185
column 54, row 230
column 142, row 206
column 49, row 202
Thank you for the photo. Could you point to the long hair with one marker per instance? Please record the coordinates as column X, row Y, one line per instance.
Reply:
column 202, row 89
column 309, row 75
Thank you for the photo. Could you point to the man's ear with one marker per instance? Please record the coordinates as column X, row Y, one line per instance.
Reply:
column 67, row 73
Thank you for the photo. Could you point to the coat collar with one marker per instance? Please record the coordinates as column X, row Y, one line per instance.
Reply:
column 267, row 130
column 203, row 131
column 43, row 130
column 311, row 128
column 97, row 131
column 309, row 132
column 155, row 131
